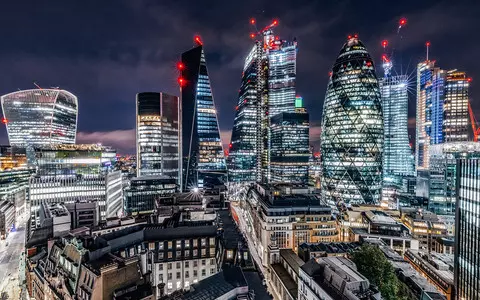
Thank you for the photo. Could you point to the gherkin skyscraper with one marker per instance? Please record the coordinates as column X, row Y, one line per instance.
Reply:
column 352, row 129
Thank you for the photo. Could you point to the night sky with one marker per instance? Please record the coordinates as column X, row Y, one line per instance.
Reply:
column 106, row 51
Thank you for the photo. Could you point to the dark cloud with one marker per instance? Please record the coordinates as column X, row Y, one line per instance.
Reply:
column 107, row 51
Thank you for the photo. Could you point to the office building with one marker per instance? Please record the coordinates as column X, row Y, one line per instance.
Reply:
column 397, row 158
column 40, row 117
column 455, row 109
column 424, row 226
column 467, row 231
column 352, row 129
column 7, row 218
column 287, row 215
column 157, row 136
column 442, row 179
column 267, row 89
column 289, row 147
column 70, row 173
column 143, row 192
column 202, row 150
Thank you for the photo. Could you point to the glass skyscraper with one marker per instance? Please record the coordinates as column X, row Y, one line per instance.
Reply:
column 202, row 150
column 40, row 117
column 267, row 89
column 289, row 149
column 467, row 230
column 352, row 129
column 158, row 135
column 456, row 119
column 397, row 158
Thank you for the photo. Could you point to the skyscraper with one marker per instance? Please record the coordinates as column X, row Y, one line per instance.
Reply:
column 267, row 89
column 247, row 148
column 352, row 129
column 467, row 230
column 289, row 149
column 158, row 135
column 202, row 150
column 40, row 117
column 397, row 158
column 422, row 139
column 456, row 124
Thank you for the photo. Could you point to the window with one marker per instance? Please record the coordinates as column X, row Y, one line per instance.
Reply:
column 169, row 276
column 169, row 285
column 187, row 264
column 179, row 285
column 160, row 245
column 179, row 244
column 229, row 254
column 170, row 255
column 212, row 271
column 204, row 252
column 169, row 266
column 212, row 241
column 178, row 265
column 178, row 275
column 195, row 243
column 160, row 278
column 195, row 263
column 187, row 284
column 160, row 267
column 187, row 244
column 187, row 253
column 195, row 252
column 160, row 255
column 204, row 273
column 212, row 261
column 179, row 254
column 195, row 273
column 151, row 246
column 203, row 262
column 169, row 244
column 187, row 274
column 203, row 242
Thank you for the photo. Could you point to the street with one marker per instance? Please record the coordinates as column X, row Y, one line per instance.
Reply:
column 10, row 262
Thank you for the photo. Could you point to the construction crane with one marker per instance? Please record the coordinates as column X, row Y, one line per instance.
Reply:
column 473, row 121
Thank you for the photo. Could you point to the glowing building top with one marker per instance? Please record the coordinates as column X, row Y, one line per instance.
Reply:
column 40, row 117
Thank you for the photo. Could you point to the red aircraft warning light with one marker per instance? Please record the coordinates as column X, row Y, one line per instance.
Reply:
column 469, row 79
column 427, row 44
column 198, row 40
column 275, row 22
column 181, row 81
column 4, row 120
column 252, row 35
column 402, row 22
column 252, row 21
column 384, row 43
column 180, row 66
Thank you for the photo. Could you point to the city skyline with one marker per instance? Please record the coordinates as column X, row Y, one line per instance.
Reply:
column 111, row 64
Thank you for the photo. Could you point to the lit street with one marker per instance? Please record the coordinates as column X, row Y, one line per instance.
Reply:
column 10, row 262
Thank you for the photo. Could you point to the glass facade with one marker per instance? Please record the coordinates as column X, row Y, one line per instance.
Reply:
column 247, row 146
column 443, row 173
column 70, row 173
column 40, row 117
column 202, row 150
column 456, row 119
column 467, row 230
column 267, row 89
column 352, row 129
column 290, row 151
column 143, row 191
column 397, row 158
column 157, row 135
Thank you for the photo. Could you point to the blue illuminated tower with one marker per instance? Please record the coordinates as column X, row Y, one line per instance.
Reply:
column 352, row 129
column 202, row 150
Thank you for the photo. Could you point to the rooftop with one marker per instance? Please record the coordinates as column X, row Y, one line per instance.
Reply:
column 286, row 279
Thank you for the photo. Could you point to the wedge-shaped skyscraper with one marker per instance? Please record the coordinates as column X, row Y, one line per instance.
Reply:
column 202, row 150
column 352, row 129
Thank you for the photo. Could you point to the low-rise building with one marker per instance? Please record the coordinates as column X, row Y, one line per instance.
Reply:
column 284, row 271
column 437, row 268
column 7, row 218
column 424, row 226
column 83, row 213
column 331, row 278
column 144, row 191
column 307, row 251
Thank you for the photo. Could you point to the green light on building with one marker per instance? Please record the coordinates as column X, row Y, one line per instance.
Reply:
column 298, row 102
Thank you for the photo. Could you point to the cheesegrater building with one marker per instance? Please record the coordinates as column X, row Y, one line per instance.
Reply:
column 202, row 150
column 40, row 117
column 352, row 129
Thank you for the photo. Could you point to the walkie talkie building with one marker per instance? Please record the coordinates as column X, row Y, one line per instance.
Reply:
column 40, row 117
column 352, row 129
